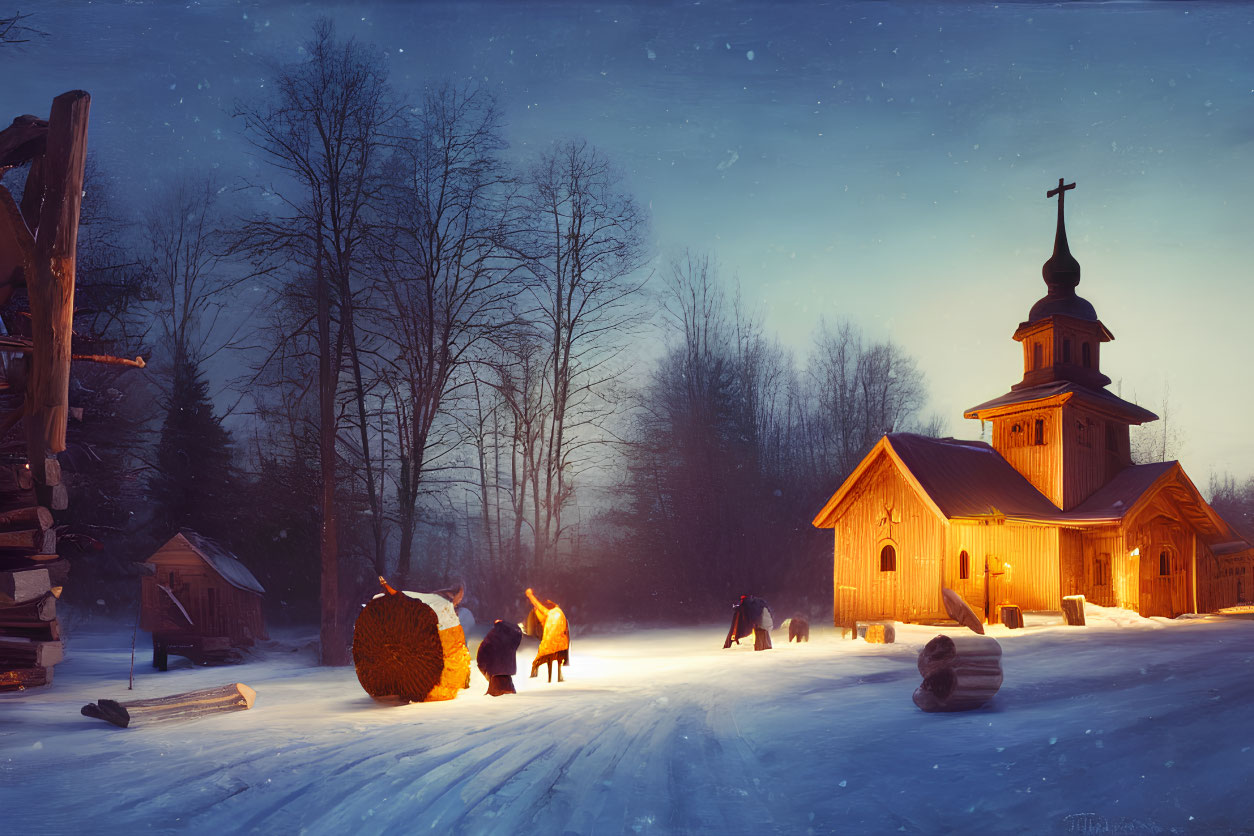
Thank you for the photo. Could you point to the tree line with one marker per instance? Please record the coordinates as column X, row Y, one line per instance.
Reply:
column 450, row 365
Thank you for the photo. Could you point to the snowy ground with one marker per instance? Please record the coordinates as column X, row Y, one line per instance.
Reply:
column 1126, row 726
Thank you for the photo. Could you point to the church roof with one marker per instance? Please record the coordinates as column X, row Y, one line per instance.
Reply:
column 960, row 478
column 1055, row 388
column 1112, row 501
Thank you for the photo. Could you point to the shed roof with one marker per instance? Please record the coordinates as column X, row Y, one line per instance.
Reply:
column 220, row 559
column 1112, row 501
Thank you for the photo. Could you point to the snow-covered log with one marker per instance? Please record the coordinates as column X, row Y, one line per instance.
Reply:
column 189, row 706
column 959, row 673
column 1073, row 609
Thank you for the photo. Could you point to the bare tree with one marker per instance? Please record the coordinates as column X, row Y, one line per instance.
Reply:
column 323, row 132
column 584, row 249
column 444, row 280
column 14, row 29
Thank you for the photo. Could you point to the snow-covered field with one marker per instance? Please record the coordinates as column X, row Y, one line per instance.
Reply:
column 1128, row 725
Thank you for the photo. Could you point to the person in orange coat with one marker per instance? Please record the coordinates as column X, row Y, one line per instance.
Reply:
column 555, row 640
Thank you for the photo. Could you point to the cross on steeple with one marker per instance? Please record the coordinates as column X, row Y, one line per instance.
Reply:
column 1061, row 192
column 1062, row 271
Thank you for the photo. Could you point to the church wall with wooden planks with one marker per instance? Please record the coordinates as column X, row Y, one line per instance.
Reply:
column 1053, row 507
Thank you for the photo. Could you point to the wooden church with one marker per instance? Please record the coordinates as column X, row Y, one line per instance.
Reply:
column 1054, row 507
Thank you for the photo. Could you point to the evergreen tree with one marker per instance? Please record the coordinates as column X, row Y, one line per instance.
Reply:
column 192, row 486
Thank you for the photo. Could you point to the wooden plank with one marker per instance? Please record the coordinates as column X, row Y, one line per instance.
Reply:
column 34, row 540
column 21, row 585
column 34, row 516
column 40, row 609
column 37, row 631
column 188, row 706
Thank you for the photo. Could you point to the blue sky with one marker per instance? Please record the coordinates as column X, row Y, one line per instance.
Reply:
column 885, row 162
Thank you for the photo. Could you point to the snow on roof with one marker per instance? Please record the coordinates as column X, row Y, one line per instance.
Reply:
column 222, row 561
column 969, row 478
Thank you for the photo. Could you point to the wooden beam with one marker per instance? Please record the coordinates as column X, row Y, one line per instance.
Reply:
column 189, row 706
column 51, row 289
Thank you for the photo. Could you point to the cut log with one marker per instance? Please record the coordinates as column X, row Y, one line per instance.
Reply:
column 36, row 516
column 38, row 631
column 959, row 673
column 20, row 653
column 960, row 611
column 1011, row 616
column 46, row 471
column 20, row 679
column 1073, row 609
column 188, row 706
column 948, row 651
column 22, row 585
column 55, row 497
column 876, row 632
column 33, row 540
column 40, row 609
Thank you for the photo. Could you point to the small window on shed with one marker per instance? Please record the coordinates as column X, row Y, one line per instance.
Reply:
column 1039, row 432
column 1066, row 351
column 1086, row 356
column 964, row 566
column 888, row 558
column 1164, row 563
column 1037, row 355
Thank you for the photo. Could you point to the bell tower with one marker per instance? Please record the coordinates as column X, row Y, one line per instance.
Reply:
column 1059, row 426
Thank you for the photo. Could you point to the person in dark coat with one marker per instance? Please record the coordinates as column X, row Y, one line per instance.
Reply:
column 497, row 657
column 750, row 615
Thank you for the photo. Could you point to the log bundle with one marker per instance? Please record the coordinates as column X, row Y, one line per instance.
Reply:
column 959, row 673
column 31, row 578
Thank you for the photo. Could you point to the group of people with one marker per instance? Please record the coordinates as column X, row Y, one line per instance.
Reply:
column 497, row 656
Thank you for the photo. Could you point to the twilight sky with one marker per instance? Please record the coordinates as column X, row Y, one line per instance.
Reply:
column 884, row 162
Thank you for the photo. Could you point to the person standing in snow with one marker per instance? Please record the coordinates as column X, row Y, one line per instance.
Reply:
column 750, row 615
column 497, row 657
column 555, row 639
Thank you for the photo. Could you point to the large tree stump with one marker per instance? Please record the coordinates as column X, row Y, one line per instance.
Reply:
column 959, row 673
column 188, row 706
column 404, row 649
column 1073, row 609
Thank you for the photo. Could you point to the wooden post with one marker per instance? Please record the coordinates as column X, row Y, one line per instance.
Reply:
column 50, row 280
column 1011, row 616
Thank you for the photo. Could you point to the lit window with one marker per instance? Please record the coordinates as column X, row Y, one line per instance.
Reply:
column 888, row 558
column 964, row 566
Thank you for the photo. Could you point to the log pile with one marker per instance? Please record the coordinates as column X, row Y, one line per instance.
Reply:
column 31, row 578
column 959, row 672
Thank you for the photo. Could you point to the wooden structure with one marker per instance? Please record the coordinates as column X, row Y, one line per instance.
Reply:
column 199, row 602
column 1053, row 507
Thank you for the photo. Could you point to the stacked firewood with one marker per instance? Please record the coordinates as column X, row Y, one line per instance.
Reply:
column 31, row 578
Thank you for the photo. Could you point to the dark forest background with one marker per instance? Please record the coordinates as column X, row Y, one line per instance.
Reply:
column 397, row 348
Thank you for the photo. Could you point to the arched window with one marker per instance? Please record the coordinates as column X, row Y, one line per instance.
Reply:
column 1086, row 356
column 964, row 566
column 1039, row 438
column 1164, row 563
column 888, row 558
column 1037, row 354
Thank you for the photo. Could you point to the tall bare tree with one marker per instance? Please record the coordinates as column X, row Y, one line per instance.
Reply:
column 584, row 249
column 323, row 132
column 444, row 280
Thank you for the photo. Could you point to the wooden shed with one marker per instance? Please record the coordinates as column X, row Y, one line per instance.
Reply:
column 200, row 602
column 1053, row 507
